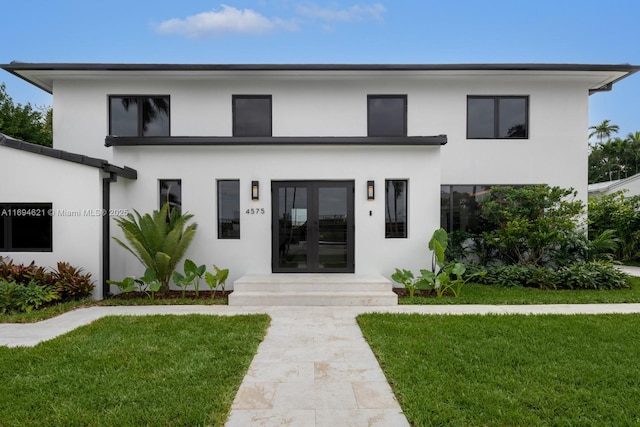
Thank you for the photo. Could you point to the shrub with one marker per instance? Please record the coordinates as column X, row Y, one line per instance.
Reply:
column 591, row 275
column 621, row 214
column 23, row 274
column 71, row 283
column 16, row 297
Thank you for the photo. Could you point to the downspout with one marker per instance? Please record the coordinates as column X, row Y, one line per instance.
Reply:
column 106, row 233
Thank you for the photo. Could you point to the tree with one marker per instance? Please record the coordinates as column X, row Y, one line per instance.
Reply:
column 527, row 224
column 25, row 122
column 603, row 130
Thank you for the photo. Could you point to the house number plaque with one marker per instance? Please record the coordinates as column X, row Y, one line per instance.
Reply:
column 255, row 211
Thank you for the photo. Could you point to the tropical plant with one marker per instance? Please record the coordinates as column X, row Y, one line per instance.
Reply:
column 438, row 246
column 407, row 279
column 16, row 297
column 71, row 283
column 192, row 276
column 158, row 240
column 128, row 284
column 216, row 280
column 528, row 223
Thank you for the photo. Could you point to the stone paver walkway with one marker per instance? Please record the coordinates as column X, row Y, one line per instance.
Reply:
column 313, row 368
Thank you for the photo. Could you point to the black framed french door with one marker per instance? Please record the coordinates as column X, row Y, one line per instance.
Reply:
column 313, row 226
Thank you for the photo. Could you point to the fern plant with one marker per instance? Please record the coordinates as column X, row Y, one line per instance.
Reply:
column 158, row 240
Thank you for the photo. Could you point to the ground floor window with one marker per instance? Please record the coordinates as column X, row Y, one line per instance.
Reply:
column 460, row 207
column 396, row 208
column 26, row 227
column 171, row 192
column 228, row 209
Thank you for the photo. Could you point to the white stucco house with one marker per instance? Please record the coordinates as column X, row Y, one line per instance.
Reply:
column 288, row 168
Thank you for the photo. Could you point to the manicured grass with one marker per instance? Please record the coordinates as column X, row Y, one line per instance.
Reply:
column 126, row 371
column 510, row 370
column 486, row 294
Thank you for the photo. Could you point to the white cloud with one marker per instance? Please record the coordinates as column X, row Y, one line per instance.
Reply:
column 351, row 14
column 229, row 20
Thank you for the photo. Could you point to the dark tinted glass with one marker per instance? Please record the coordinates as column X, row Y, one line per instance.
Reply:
column 229, row 209
column 31, row 227
column 480, row 118
column 387, row 116
column 445, row 207
column 171, row 192
column 155, row 116
column 396, row 209
column 251, row 116
column 123, row 116
column 139, row 116
column 512, row 117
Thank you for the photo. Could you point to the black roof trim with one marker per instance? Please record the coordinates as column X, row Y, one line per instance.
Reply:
column 15, row 65
column 115, row 141
column 125, row 172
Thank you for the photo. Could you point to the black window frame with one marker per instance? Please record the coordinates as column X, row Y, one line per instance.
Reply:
column 36, row 209
column 404, row 232
column 140, row 124
column 222, row 235
column 162, row 192
column 404, row 98
column 235, row 115
column 496, row 116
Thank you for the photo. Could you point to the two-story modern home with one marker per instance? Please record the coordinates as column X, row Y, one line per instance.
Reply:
column 287, row 169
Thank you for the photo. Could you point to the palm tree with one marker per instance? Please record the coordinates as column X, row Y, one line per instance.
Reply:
column 603, row 130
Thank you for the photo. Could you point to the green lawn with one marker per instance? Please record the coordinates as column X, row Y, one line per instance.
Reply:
column 125, row 371
column 511, row 369
column 485, row 294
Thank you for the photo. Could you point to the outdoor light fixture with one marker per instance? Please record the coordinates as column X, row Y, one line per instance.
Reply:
column 370, row 190
column 255, row 190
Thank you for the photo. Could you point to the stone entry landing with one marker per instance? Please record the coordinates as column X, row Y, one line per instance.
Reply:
column 312, row 289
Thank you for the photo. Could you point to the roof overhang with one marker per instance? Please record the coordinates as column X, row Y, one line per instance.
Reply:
column 598, row 77
column 125, row 172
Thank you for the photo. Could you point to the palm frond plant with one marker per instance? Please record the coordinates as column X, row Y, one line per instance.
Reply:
column 158, row 240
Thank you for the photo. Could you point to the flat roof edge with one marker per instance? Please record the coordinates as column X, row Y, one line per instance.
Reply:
column 15, row 66
column 125, row 172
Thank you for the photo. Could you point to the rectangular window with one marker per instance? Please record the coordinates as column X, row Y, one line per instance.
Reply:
column 497, row 117
column 251, row 115
column 26, row 227
column 396, row 208
column 171, row 192
column 228, row 209
column 139, row 116
column 460, row 207
column 387, row 115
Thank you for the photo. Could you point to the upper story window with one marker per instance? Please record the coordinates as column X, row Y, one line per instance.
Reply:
column 26, row 227
column 387, row 115
column 497, row 117
column 139, row 115
column 251, row 115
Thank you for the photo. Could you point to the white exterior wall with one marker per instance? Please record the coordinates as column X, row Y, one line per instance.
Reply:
column 72, row 189
column 327, row 105
column 199, row 168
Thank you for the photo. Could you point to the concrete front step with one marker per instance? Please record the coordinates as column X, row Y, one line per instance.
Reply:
column 312, row 289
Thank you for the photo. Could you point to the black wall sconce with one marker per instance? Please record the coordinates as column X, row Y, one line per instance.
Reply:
column 255, row 190
column 370, row 190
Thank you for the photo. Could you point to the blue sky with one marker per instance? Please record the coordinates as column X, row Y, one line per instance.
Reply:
column 359, row 31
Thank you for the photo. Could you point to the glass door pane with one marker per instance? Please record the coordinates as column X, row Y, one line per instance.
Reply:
column 292, row 227
column 332, row 227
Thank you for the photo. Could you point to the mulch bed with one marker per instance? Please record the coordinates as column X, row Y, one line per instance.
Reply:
column 173, row 294
column 403, row 293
